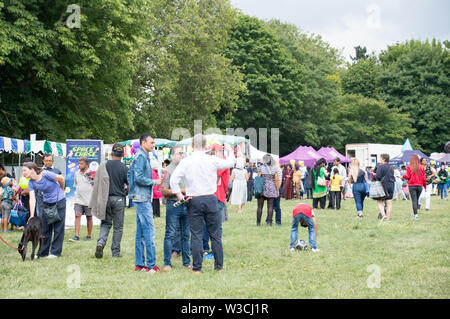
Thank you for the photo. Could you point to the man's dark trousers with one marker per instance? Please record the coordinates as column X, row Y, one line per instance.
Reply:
column 204, row 209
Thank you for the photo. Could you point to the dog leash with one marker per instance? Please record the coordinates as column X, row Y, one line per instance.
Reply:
column 7, row 243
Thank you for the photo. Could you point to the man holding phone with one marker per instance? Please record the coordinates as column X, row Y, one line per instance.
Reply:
column 200, row 174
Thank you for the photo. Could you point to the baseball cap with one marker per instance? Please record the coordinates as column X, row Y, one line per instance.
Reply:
column 117, row 149
column 215, row 147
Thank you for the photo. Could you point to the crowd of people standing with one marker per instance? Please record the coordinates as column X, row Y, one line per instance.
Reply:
column 196, row 190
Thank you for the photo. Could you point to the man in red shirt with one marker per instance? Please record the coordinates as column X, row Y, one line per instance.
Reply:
column 223, row 177
column 304, row 215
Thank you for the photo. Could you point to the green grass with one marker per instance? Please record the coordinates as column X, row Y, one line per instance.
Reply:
column 413, row 257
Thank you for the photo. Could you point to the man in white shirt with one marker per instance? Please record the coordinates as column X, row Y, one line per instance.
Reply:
column 200, row 176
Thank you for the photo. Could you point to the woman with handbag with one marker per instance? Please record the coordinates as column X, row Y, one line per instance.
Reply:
column 270, row 190
column 53, row 210
column 385, row 174
column 318, row 184
column 358, row 179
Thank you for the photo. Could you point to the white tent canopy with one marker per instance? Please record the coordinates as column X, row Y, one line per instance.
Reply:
column 54, row 148
column 257, row 155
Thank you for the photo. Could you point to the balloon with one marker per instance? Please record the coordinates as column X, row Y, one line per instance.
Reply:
column 23, row 182
column 292, row 162
column 135, row 147
column 433, row 162
column 301, row 163
column 136, row 144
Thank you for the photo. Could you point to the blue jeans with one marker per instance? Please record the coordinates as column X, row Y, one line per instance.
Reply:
column 220, row 207
column 277, row 209
column 307, row 189
column 311, row 230
column 176, row 217
column 443, row 190
column 359, row 193
column 145, row 234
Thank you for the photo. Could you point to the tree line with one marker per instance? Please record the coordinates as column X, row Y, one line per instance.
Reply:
column 135, row 66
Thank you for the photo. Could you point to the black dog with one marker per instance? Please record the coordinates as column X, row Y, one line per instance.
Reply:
column 32, row 232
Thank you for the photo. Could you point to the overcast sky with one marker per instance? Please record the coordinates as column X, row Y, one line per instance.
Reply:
column 345, row 24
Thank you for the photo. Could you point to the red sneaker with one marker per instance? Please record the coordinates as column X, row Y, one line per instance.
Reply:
column 156, row 269
column 139, row 268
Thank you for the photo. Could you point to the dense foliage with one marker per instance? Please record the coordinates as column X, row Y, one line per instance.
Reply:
column 155, row 65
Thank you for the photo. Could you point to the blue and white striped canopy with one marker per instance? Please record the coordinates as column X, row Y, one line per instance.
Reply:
column 8, row 145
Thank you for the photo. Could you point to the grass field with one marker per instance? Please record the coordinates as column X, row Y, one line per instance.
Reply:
column 411, row 258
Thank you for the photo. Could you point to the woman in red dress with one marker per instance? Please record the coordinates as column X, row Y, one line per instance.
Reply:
column 288, row 175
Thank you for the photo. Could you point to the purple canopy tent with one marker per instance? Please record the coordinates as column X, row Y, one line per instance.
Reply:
column 323, row 151
column 333, row 153
column 405, row 157
column 303, row 153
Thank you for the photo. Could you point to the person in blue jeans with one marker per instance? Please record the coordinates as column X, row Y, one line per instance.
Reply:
column 358, row 179
column 177, row 226
column 207, row 254
column 141, row 193
column 277, row 200
column 443, row 176
column 303, row 214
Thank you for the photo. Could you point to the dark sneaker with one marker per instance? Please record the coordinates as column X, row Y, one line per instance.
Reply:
column 99, row 251
column 88, row 238
column 75, row 239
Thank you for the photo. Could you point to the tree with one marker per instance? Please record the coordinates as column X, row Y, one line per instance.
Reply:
column 320, row 64
column 272, row 77
column 414, row 79
column 360, row 54
column 361, row 78
column 367, row 120
column 184, row 75
column 69, row 82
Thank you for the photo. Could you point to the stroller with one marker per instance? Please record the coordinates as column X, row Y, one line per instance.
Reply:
column 19, row 215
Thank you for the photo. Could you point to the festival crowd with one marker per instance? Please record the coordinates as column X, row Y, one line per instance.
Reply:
column 195, row 190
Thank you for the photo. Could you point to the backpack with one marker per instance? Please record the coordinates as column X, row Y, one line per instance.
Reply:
column 259, row 186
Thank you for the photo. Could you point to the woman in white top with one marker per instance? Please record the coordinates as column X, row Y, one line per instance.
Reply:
column 239, row 176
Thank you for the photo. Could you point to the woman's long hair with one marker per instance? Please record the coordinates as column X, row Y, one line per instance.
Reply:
column 316, row 169
column 33, row 166
column 414, row 164
column 354, row 169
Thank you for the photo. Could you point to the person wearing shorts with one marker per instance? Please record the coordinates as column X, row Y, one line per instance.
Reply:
column 83, row 182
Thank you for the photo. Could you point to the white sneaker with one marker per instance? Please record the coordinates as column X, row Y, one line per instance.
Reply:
column 315, row 250
column 51, row 256
column 292, row 249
